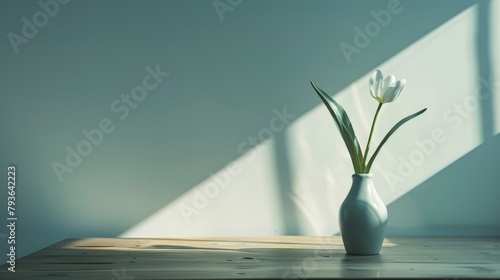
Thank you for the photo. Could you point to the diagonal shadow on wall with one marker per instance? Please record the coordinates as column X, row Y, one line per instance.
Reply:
column 449, row 195
column 461, row 194
column 126, row 205
column 483, row 54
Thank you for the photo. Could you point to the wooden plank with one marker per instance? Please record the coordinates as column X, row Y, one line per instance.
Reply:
column 280, row 257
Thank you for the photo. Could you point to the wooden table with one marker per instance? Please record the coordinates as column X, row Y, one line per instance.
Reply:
column 281, row 257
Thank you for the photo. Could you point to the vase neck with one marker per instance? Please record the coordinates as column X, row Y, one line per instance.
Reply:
column 361, row 183
column 362, row 178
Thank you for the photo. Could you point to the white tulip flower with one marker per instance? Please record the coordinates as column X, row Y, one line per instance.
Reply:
column 385, row 90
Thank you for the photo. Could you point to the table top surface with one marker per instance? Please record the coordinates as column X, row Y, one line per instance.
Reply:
column 279, row 257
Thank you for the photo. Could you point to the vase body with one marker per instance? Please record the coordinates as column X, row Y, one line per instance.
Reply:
column 363, row 217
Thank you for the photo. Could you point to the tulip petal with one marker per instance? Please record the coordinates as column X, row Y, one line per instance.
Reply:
column 375, row 84
column 389, row 94
column 388, row 81
column 400, row 85
column 392, row 93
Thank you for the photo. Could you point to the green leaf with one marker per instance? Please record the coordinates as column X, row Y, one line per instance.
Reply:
column 345, row 127
column 393, row 129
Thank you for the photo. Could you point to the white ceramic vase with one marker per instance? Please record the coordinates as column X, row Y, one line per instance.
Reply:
column 363, row 217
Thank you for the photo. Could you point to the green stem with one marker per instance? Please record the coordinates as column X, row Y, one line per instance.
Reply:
column 370, row 137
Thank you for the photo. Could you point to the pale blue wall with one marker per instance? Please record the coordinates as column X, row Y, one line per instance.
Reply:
column 226, row 76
